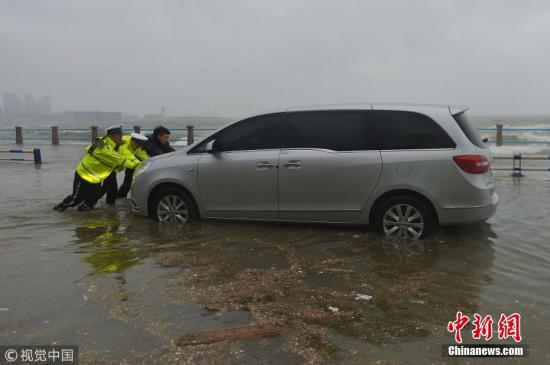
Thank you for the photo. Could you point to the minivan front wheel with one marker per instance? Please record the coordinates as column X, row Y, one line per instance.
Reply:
column 173, row 206
column 405, row 217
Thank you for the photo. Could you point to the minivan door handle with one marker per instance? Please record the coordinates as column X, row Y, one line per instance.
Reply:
column 263, row 165
column 296, row 164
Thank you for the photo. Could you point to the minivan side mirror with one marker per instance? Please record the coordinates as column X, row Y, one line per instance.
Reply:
column 210, row 147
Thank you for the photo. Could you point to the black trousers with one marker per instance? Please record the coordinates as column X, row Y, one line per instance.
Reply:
column 126, row 184
column 85, row 194
column 110, row 187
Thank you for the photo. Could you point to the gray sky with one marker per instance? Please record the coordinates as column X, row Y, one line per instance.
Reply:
column 231, row 57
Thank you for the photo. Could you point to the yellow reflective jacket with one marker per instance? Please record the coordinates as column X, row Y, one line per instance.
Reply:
column 101, row 159
column 136, row 155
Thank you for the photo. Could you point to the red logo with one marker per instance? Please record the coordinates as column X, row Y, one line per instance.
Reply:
column 457, row 325
column 482, row 327
column 508, row 326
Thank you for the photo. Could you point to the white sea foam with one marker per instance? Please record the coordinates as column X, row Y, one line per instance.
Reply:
column 527, row 136
column 508, row 150
column 540, row 135
column 517, row 133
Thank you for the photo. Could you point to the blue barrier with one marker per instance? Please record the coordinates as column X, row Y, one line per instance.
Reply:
column 37, row 155
column 517, row 169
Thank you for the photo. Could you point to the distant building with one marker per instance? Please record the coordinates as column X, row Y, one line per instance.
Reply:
column 155, row 117
column 43, row 105
column 13, row 105
column 29, row 105
column 17, row 107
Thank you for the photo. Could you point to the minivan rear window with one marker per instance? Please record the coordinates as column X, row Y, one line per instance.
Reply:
column 462, row 121
column 400, row 130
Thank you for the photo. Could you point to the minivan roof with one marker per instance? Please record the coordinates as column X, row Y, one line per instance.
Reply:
column 392, row 106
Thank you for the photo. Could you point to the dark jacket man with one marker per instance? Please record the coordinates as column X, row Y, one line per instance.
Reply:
column 158, row 142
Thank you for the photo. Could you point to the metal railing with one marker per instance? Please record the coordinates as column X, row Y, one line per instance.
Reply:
column 67, row 134
column 500, row 130
column 517, row 169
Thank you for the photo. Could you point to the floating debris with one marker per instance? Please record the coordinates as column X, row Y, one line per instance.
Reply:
column 338, row 269
column 363, row 297
column 333, row 309
column 4, row 309
column 231, row 334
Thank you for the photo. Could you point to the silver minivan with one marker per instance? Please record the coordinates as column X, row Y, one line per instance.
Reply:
column 402, row 169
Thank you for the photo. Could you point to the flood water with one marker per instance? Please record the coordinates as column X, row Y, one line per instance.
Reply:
column 125, row 288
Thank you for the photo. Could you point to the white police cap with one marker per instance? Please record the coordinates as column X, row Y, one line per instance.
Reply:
column 139, row 137
column 117, row 128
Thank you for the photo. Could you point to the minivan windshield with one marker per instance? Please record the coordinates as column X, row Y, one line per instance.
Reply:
column 464, row 124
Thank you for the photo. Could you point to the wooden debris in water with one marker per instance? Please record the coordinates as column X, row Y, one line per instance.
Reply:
column 231, row 334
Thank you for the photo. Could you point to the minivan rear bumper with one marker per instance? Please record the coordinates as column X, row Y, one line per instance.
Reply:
column 471, row 214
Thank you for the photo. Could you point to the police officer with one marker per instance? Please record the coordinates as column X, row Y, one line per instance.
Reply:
column 132, row 148
column 101, row 159
column 158, row 143
column 110, row 185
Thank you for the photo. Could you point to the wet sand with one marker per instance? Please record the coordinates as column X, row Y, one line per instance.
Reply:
column 125, row 288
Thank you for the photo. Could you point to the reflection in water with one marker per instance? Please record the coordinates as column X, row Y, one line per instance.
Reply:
column 107, row 245
column 292, row 275
column 403, row 249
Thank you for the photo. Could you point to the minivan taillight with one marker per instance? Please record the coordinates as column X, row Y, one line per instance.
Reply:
column 473, row 164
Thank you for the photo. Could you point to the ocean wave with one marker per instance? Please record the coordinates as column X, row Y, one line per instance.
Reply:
column 517, row 134
column 526, row 136
column 528, row 149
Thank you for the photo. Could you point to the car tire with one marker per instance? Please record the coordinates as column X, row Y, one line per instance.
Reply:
column 404, row 217
column 173, row 205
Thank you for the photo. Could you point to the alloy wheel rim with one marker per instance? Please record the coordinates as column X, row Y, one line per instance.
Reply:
column 403, row 221
column 172, row 209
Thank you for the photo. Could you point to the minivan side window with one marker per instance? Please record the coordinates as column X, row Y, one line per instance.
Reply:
column 409, row 130
column 332, row 130
column 256, row 133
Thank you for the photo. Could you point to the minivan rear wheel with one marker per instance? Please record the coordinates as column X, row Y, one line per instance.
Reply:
column 404, row 217
column 173, row 206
